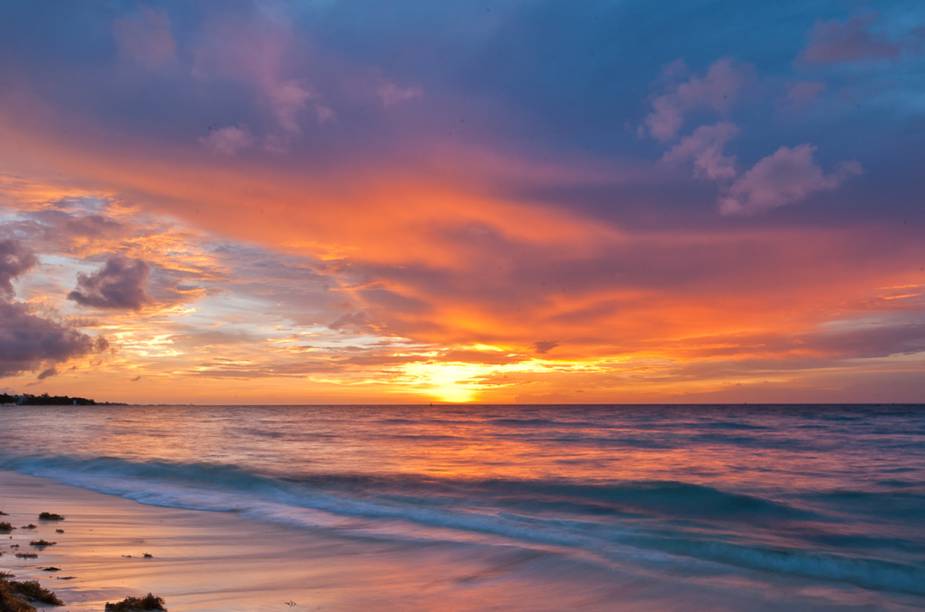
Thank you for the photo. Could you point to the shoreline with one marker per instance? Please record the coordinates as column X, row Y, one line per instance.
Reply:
column 211, row 561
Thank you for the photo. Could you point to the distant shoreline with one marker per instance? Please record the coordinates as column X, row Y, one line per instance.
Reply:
column 29, row 399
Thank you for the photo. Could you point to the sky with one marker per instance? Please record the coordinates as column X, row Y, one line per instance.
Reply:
column 528, row 201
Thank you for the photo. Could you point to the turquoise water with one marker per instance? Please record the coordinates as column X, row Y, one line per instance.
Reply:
column 808, row 506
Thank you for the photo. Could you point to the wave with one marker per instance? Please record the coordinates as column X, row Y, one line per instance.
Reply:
column 659, row 498
column 869, row 573
column 638, row 521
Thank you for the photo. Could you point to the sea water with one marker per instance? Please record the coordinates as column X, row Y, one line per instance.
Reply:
column 794, row 506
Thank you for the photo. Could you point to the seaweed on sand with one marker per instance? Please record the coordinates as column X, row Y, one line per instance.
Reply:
column 134, row 604
column 29, row 526
column 50, row 516
column 26, row 555
column 6, row 527
column 10, row 601
column 41, row 543
column 15, row 596
column 34, row 591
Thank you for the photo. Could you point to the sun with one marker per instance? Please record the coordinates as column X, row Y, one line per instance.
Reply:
column 455, row 383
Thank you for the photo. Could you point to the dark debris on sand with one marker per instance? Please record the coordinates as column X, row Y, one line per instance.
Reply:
column 17, row 596
column 50, row 516
column 41, row 543
column 136, row 604
column 27, row 555
column 6, row 527
column 29, row 526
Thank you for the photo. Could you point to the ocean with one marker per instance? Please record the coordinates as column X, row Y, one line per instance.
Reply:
column 802, row 506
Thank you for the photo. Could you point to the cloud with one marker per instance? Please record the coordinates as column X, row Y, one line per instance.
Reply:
column 119, row 284
column 15, row 259
column 228, row 140
column 288, row 99
column 145, row 37
column 391, row 94
column 544, row 346
column 787, row 176
column 716, row 90
column 262, row 53
column 480, row 223
column 29, row 342
column 56, row 228
column 351, row 321
column 704, row 148
column 851, row 40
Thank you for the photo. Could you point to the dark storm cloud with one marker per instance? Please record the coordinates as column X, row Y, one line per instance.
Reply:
column 119, row 284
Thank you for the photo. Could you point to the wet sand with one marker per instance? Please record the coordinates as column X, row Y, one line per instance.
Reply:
column 220, row 561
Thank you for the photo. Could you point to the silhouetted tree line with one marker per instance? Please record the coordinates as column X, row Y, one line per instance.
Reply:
column 27, row 399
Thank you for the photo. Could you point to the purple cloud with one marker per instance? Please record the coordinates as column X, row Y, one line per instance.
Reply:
column 704, row 148
column 787, row 176
column 852, row 40
column 228, row 140
column 15, row 259
column 120, row 283
column 716, row 90
column 391, row 94
column 29, row 342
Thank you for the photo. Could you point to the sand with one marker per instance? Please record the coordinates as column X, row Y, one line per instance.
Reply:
column 220, row 561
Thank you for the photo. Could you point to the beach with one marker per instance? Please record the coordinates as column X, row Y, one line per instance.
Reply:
column 470, row 508
column 218, row 561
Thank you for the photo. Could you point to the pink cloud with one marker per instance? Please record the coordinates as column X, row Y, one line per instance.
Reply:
column 288, row 99
column 259, row 54
column 228, row 140
column 716, row 90
column 392, row 94
column 704, row 148
column 787, row 176
column 848, row 41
